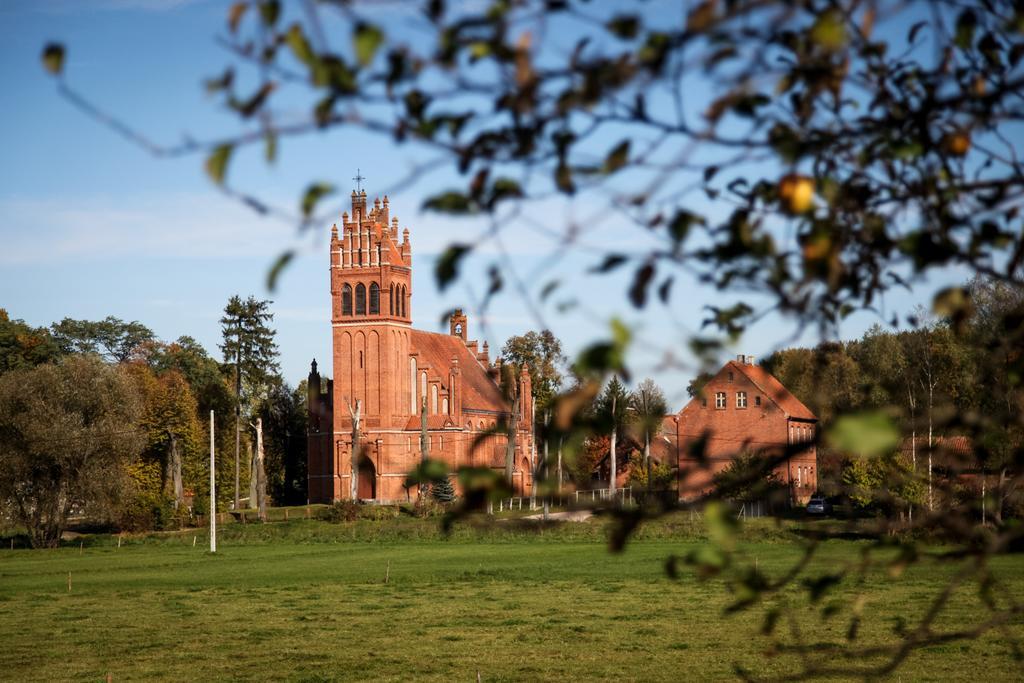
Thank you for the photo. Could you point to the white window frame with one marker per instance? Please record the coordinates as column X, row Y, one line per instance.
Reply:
column 720, row 400
column 741, row 399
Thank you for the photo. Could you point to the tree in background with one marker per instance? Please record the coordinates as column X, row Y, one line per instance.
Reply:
column 749, row 478
column 612, row 413
column 648, row 405
column 112, row 338
column 695, row 387
column 24, row 346
column 284, row 423
column 67, row 434
column 248, row 344
column 541, row 353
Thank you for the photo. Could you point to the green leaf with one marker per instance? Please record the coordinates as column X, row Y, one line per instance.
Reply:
column 366, row 40
column 270, row 10
column 617, row 158
column 829, row 31
column 450, row 202
column 625, row 26
column 279, row 265
column 217, row 163
column 53, row 58
column 447, row 267
column 270, row 146
column 300, row 46
column 869, row 434
column 965, row 25
column 641, row 280
column 314, row 193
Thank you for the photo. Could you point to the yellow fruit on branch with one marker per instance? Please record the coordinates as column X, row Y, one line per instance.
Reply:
column 796, row 193
column 957, row 144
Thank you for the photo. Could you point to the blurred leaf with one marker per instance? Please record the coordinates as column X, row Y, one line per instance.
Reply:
column 625, row 26
column 965, row 25
column 641, row 280
column 217, row 163
column 53, row 58
column 450, row 202
column 611, row 262
column 869, row 434
column 819, row 586
column 314, row 193
column 617, row 158
column 235, row 14
column 366, row 40
column 563, row 179
column 270, row 10
column 279, row 265
column 270, row 146
column 447, row 267
column 300, row 46
column 829, row 31
column 427, row 472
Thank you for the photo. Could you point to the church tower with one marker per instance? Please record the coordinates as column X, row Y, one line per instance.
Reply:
column 371, row 296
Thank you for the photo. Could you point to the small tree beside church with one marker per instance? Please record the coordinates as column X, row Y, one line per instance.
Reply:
column 442, row 491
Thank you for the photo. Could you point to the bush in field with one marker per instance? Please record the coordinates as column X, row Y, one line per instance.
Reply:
column 342, row 511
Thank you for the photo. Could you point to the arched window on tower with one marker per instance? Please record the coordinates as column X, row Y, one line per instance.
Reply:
column 360, row 299
column 391, row 299
column 423, row 388
column 374, row 298
column 346, row 300
column 433, row 399
column 401, row 300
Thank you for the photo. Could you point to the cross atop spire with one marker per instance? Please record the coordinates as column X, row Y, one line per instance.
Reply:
column 359, row 178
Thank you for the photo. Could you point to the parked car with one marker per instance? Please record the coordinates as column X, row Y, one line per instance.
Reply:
column 819, row 505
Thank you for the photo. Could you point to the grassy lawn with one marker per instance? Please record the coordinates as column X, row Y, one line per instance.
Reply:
column 307, row 601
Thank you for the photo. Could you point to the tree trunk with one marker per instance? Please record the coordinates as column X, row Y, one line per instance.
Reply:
column 253, row 476
column 559, row 464
column 175, row 473
column 238, row 419
column 931, row 390
column 611, row 454
column 424, row 443
column 260, row 474
column 647, row 460
column 354, row 474
column 547, row 462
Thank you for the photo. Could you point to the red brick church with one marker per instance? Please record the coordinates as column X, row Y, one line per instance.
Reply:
column 391, row 368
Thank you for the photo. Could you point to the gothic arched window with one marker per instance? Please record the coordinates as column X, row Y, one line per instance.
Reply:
column 403, row 301
column 374, row 298
column 391, row 299
column 412, row 387
column 346, row 300
column 433, row 399
column 360, row 299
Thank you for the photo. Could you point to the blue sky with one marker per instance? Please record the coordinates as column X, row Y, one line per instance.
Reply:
column 91, row 225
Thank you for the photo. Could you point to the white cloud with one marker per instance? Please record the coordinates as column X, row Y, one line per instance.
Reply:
column 37, row 231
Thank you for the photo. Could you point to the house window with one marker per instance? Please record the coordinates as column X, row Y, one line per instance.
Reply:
column 757, row 400
column 741, row 399
column 360, row 299
column 346, row 300
column 374, row 298
column 720, row 400
column 730, row 375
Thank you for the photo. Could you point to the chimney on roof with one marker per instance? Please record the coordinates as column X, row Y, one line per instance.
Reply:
column 744, row 359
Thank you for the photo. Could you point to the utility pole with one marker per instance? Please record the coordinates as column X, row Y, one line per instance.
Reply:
column 213, row 492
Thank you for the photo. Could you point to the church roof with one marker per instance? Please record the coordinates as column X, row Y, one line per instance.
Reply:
column 479, row 391
column 774, row 389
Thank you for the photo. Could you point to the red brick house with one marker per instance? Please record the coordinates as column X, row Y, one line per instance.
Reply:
column 391, row 368
column 745, row 409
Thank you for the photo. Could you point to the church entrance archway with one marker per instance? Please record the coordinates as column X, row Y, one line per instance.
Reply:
column 367, row 483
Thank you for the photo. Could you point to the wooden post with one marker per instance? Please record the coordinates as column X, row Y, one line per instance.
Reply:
column 69, row 582
column 119, row 540
column 387, row 572
column 261, row 475
column 611, row 454
column 213, row 492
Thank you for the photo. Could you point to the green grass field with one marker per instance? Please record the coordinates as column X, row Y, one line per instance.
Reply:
column 307, row 601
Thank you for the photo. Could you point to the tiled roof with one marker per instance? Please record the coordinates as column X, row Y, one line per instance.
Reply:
column 433, row 422
column 947, row 451
column 479, row 391
column 773, row 388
